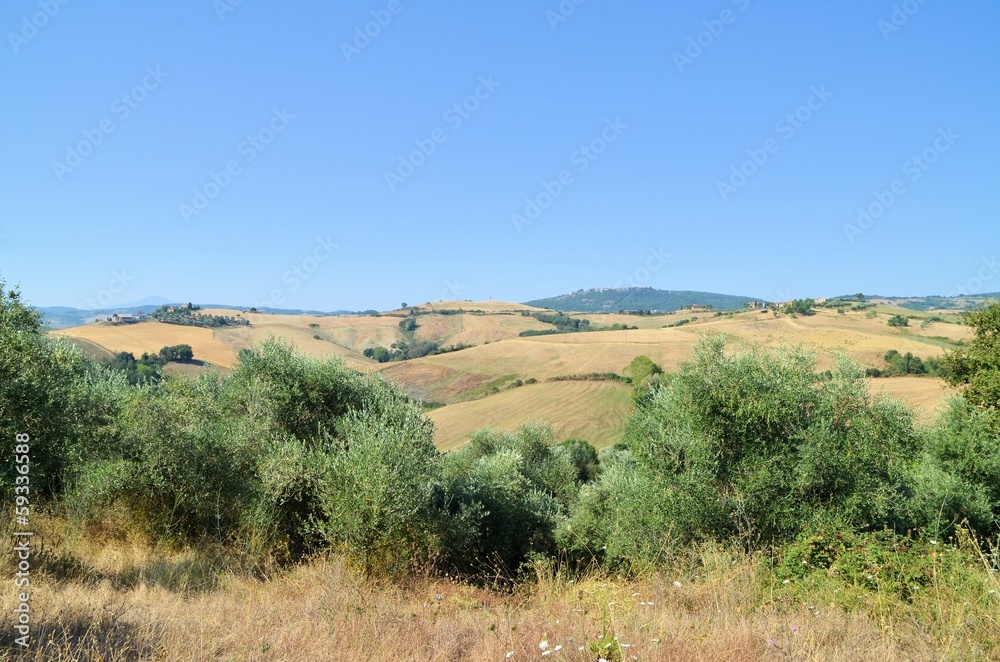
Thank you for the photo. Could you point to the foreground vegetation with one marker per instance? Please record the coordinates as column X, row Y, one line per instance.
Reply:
column 111, row 599
column 756, row 483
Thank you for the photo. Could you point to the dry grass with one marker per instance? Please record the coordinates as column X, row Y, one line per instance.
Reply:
column 128, row 601
column 592, row 411
column 928, row 396
column 474, row 329
column 304, row 339
column 151, row 337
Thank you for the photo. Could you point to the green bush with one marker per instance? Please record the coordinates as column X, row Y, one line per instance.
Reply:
column 763, row 440
column 376, row 492
column 170, row 465
column 799, row 307
column 976, row 367
column 876, row 561
column 506, row 493
column 633, row 519
column 49, row 391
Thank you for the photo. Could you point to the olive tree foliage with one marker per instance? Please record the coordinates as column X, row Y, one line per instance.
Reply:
column 505, row 495
column 49, row 391
column 377, row 491
column 283, row 457
column 962, row 462
column 976, row 367
column 752, row 446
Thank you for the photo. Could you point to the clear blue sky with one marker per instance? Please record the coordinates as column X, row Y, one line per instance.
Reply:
column 105, row 221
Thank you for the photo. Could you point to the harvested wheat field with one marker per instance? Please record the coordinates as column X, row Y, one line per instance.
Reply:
column 474, row 329
column 592, row 411
column 303, row 338
column 928, row 395
column 151, row 336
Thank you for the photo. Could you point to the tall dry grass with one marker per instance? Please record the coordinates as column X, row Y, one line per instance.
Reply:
column 104, row 598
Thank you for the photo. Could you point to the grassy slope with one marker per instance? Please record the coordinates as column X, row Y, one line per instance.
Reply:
column 93, row 351
column 592, row 411
column 151, row 337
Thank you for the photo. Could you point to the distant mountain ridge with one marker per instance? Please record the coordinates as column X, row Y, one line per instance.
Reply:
column 613, row 300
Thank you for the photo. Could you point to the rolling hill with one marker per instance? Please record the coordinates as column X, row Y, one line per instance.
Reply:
column 475, row 386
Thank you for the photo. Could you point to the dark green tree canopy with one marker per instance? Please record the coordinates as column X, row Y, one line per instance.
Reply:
column 977, row 366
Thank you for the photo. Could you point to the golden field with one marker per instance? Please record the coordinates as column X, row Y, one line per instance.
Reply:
column 592, row 411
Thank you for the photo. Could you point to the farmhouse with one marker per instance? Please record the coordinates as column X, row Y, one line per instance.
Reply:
column 126, row 319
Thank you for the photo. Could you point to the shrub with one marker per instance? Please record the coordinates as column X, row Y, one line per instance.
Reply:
column 376, row 493
column 976, row 367
column 799, row 307
column 633, row 518
column 49, row 391
column 899, row 320
column 776, row 446
column 170, row 465
column 879, row 561
column 505, row 494
column 177, row 353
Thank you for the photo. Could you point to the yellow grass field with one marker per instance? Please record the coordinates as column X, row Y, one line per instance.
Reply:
column 930, row 396
column 303, row 338
column 151, row 336
column 592, row 411
column 474, row 329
